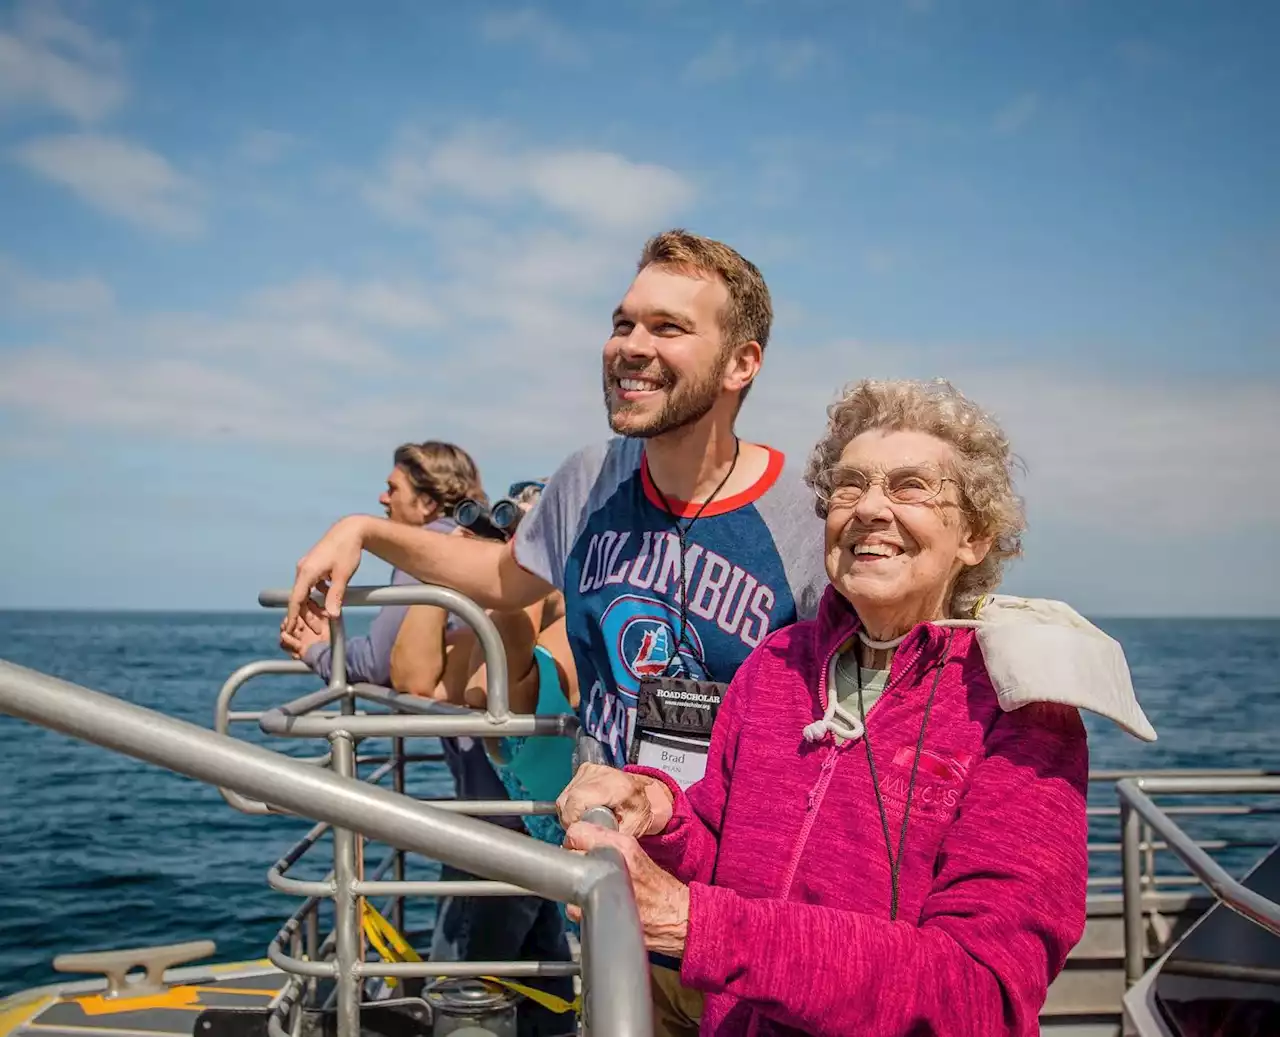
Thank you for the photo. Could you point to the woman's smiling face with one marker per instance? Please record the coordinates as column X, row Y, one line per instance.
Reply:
column 894, row 549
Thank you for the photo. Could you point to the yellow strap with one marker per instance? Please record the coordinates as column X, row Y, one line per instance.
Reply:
column 381, row 933
column 548, row 1001
column 378, row 928
column 391, row 946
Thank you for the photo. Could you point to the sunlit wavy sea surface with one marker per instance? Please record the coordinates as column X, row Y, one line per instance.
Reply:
column 99, row 851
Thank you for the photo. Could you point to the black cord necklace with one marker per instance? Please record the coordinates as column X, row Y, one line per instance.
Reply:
column 682, row 532
column 895, row 859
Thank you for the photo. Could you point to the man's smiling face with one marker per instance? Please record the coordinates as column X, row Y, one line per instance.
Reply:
column 665, row 361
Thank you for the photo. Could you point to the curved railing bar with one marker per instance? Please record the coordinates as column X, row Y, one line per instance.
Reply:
column 443, row 597
column 567, row 723
column 413, row 716
column 223, row 719
column 478, row 725
column 617, row 988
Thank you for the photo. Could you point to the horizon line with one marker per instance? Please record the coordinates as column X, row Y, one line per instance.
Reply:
column 185, row 610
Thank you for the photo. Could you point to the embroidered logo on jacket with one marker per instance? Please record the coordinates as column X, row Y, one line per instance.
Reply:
column 935, row 763
column 940, row 781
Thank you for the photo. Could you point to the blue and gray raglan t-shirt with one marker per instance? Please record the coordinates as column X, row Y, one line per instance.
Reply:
column 600, row 533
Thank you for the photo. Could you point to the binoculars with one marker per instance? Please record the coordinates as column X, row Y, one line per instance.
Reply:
column 495, row 522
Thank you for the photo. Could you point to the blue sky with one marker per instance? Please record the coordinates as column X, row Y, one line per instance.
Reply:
column 246, row 249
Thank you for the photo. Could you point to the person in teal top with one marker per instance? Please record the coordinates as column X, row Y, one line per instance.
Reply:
column 537, row 769
column 542, row 680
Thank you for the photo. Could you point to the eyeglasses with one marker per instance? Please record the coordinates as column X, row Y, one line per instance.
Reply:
column 912, row 484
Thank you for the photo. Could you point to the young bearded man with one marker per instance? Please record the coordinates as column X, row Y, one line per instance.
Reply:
column 688, row 340
column 678, row 546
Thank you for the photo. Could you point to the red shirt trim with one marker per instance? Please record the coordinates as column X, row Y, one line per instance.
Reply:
column 687, row 509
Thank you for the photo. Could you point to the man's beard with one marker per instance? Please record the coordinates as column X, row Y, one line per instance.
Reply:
column 689, row 401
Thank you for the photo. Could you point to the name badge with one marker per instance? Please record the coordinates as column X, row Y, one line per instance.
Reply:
column 672, row 727
column 684, row 759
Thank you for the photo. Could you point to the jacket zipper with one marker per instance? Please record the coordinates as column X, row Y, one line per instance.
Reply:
column 816, row 795
column 819, row 790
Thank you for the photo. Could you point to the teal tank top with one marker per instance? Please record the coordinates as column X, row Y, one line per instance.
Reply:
column 538, row 769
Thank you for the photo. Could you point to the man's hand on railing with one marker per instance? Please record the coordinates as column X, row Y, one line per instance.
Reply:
column 327, row 567
column 662, row 901
column 641, row 804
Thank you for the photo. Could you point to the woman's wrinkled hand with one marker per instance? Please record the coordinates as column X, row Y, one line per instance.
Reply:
column 661, row 899
column 641, row 804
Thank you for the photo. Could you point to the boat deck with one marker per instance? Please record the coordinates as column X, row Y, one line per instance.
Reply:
column 79, row 1009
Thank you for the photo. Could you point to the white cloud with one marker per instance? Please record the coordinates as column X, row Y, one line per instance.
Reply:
column 532, row 28
column 1101, row 453
column 723, row 59
column 599, row 190
column 398, row 306
column 880, row 260
column 23, row 291
column 294, row 365
column 1140, row 55
column 606, row 190
column 789, row 59
column 514, row 322
column 728, row 57
column 119, row 178
column 49, row 61
column 262, row 147
column 1016, row 115
column 187, row 399
column 505, row 353
column 511, row 319
column 501, row 346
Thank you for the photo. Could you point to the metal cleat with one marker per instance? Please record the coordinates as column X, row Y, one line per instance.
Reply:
column 116, row 965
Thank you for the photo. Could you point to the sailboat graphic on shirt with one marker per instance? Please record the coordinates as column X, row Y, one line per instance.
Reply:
column 644, row 633
column 653, row 654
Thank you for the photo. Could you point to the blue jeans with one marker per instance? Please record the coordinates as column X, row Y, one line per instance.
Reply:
column 508, row 929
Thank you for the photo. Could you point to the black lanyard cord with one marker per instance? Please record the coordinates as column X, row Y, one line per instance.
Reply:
column 682, row 641
column 895, row 859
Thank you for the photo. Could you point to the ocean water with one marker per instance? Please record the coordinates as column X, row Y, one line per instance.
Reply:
column 98, row 851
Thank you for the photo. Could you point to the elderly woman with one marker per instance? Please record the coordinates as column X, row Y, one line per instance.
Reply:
column 890, row 838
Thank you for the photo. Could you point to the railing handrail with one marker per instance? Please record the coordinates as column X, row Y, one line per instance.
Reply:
column 1136, row 805
column 470, row 612
column 1110, row 775
column 616, row 983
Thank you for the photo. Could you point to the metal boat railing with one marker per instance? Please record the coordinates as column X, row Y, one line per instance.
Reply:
column 1140, row 815
column 1159, row 870
column 614, row 968
column 1236, row 831
column 299, row 945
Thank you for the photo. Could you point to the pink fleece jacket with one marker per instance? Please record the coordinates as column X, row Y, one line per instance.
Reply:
column 784, row 850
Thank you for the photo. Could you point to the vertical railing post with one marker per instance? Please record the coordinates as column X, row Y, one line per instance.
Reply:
column 1148, row 858
column 1131, row 864
column 294, row 1011
column 337, row 653
column 397, row 781
column 311, row 926
column 346, row 922
column 604, row 818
